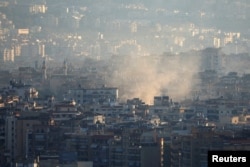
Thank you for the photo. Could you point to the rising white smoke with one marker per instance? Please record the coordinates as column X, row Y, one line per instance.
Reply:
column 146, row 77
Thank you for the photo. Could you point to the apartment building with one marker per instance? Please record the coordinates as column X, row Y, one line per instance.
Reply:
column 135, row 148
column 95, row 95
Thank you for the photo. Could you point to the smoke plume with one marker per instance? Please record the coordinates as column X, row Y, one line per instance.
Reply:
column 146, row 77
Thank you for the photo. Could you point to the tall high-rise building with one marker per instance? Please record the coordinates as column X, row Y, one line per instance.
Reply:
column 10, row 140
column 190, row 149
column 135, row 148
column 212, row 60
column 25, row 136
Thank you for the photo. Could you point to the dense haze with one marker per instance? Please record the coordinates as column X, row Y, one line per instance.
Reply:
column 222, row 14
column 115, row 83
column 131, row 38
column 149, row 76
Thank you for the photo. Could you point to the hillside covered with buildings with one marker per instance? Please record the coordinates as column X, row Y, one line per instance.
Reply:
column 115, row 83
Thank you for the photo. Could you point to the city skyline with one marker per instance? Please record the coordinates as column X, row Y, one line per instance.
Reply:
column 113, row 83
